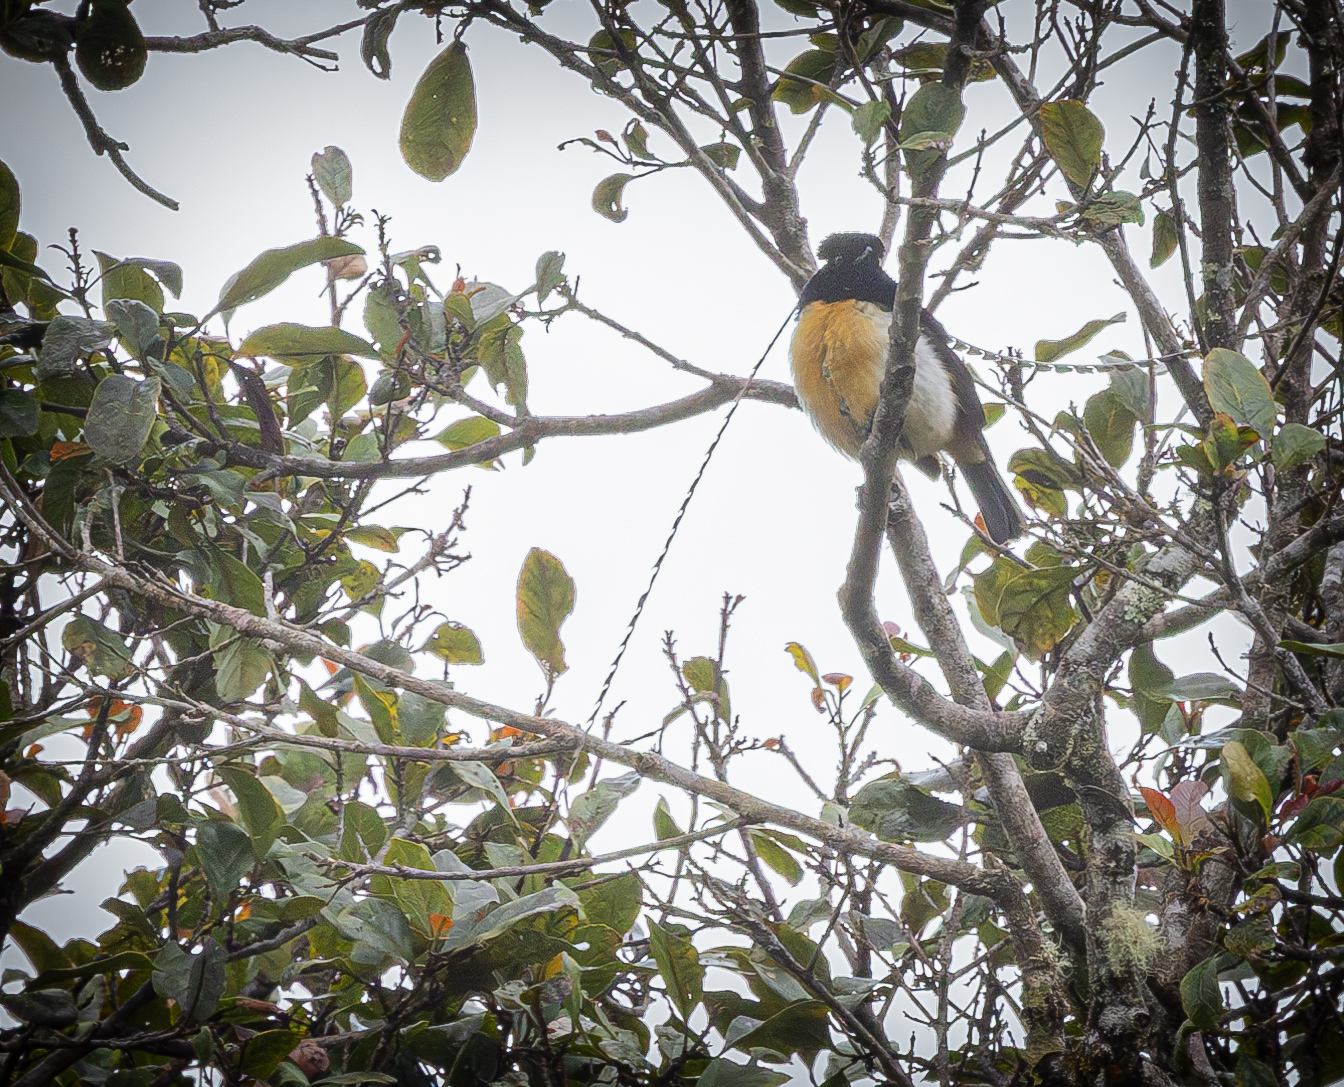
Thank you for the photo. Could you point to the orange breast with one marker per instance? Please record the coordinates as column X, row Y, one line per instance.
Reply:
column 838, row 354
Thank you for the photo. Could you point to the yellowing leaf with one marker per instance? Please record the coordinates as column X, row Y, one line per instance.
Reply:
column 545, row 599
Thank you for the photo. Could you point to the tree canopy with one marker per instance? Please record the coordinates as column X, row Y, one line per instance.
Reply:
column 217, row 639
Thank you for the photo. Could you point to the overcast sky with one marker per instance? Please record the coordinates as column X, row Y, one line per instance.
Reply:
column 230, row 135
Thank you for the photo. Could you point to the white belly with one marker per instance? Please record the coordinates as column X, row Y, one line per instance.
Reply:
column 931, row 415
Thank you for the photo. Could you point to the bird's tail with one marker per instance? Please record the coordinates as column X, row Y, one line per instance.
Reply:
column 1003, row 520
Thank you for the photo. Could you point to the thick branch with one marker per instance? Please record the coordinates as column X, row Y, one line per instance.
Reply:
column 1217, row 199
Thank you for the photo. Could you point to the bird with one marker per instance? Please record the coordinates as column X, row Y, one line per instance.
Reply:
column 838, row 356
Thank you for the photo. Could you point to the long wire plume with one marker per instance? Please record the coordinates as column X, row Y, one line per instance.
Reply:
column 676, row 523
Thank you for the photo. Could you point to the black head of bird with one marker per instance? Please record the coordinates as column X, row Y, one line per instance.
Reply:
column 839, row 357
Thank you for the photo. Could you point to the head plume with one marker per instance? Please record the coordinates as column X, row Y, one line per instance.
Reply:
column 851, row 247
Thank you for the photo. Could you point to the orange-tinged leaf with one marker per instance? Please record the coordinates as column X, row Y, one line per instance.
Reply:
column 65, row 450
column 772, row 744
column 838, row 679
column 130, row 722
column 1162, row 810
column 244, row 912
column 33, row 751
column 819, row 699
column 331, row 666
column 439, row 924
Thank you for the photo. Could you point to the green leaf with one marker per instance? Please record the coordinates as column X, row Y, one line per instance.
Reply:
column 897, row 811
column 608, row 194
column 1315, row 649
column 1050, row 350
column 1114, row 209
column 381, row 706
column 1320, row 827
column 664, row 826
column 480, row 776
column 70, row 339
column 467, row 432
column 869, row 120
column 19, row 413
column 454, row 643
column 51, row 1008
column 195, row 982
column 1030, row 605
column 1238, row 389
column 261, row 815
column 1201, row 997
column 721, row 1072
column 1073, row 136
column 1296, row 444
column 1203, row 687
column 165, row 271
column 933, row 111
column 137, row 325
column 724, row 155
column 590, row 810
column 10, row 203
column 502, row 360
column 225, row 853
column 1111, row 425
column 262, row 1053
column 240, row 668
column 271, row 268
column 1165, row 239
column 1253, row 1073
column 373, row 45
column 545, row 599
column 1245, row 780
column 109, row 964
column 298, row 345
column 550, row 274
column 121, row 416
column 364, row 834
column 420, row 718
column 1150, row 679
column 109, row 47
column 603, row 45
column 1251, row 937
column 379, row 925
column 419, row 899
column 440, row 119
column 97, row 648
column 613, row 902
column 777, row 857
column 679, row 966
column 238, row 585
column 127, row 279
column 374, row 536
column 332, row 172
column 805, row 81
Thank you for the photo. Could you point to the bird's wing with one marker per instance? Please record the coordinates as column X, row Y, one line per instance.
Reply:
column 963, row 383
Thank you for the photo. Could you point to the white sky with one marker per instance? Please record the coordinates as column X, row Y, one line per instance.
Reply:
column 230, row 134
